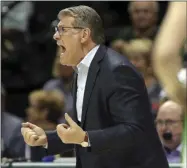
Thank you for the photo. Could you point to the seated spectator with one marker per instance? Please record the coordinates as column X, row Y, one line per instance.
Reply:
column 169, row 124
column 11, row 144
column 45, row 108
column 144, row 17
column 62, row 81
column 139, row 52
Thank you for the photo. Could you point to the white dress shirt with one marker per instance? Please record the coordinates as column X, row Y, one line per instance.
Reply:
column 82, row 70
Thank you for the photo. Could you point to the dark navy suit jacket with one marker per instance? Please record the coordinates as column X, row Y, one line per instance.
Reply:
column 117, row 116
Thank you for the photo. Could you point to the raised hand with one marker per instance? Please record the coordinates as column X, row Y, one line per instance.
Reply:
column 72, row 134
column 33, row 135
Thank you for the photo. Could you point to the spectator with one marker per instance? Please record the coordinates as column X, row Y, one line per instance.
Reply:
column 11, row 144
column 45, row 108
column 62, row 82
column 144, row 17
column 23, row 10
column 169, row 125
column 139, row 52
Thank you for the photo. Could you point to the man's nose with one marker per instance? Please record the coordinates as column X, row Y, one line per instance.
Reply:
column 163, row 127
column 56, row 36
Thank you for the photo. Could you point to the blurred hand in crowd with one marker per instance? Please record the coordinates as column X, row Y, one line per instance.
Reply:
column 33, row 135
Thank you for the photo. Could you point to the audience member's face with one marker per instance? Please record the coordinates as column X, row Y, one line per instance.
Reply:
column 69, row 39
column 138, row 61
column 143, row 15
column 34, row 112
column 169, row 120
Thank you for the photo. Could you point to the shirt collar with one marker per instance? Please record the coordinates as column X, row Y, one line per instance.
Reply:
column 178, row 149
column 86, row 61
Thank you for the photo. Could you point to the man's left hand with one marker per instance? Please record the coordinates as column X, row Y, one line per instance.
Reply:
column 72, row 134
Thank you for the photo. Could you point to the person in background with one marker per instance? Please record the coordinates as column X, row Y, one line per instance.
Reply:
column 11, row 144
column 139, row 53
column 62, row 81
column 144, row 17
column 45, row 108
column 169, row 124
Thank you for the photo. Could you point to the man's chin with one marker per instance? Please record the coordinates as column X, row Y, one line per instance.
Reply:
column 67, row 62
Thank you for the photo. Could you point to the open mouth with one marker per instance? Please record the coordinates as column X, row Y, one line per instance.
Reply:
column 63, row 49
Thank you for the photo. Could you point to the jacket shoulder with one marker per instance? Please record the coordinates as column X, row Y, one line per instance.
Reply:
column 115, row 59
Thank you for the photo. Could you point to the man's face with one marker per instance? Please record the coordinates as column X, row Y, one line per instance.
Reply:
column 143, row 15
column 69, row 40
column 169, row 120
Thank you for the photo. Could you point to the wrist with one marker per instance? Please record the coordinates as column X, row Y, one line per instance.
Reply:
column 84, row 135
column 84, row 143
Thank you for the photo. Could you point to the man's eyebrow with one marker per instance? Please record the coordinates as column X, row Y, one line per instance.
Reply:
column 60, row 24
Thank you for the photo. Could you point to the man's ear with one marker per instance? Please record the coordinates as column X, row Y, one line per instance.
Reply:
column 86, row 33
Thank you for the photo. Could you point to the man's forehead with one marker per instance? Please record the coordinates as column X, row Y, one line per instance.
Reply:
column 169, row 114
column 65, row 21
column 147, row 5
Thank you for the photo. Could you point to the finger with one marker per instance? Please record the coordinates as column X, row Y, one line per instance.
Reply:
column 61, row 129
column 65, row 126
column 33, row 140
column 30, row 125
column 24, row 130
column 70, row 121
column 33, row 137
column 25, row 124
column 28, row 135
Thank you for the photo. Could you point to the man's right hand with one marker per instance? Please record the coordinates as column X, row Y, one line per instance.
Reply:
column 33, row 135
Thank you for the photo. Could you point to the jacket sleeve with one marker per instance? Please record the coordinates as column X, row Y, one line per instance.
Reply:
column 55, row 145
column 130, row 109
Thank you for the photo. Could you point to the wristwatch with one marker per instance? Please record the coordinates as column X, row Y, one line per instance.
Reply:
column 85, row 142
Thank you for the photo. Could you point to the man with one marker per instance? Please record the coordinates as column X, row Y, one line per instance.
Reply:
column 144, row 17
column 169, row 125
column 111, row 125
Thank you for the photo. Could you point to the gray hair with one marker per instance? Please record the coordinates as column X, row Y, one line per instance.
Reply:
column 154, row 3
column 86, row 17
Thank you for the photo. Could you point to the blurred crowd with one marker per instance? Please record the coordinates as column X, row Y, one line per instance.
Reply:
column 35, row 87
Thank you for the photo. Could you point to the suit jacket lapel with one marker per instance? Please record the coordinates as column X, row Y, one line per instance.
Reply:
column 91, row 78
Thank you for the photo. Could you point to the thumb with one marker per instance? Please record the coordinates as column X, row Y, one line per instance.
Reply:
column 70, row 121
column 29, row 125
